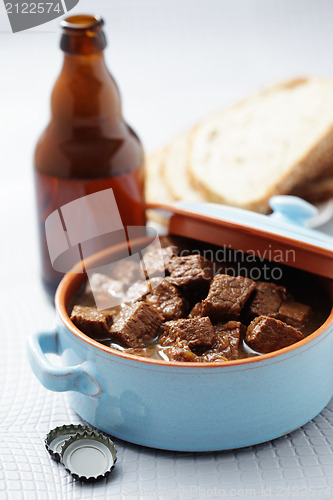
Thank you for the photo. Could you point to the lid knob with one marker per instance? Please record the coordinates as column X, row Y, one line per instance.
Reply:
column 292, row 210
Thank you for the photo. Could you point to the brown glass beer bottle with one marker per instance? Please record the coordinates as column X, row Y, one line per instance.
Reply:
column 87, row 146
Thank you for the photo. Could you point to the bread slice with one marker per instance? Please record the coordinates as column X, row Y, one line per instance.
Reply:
column 155, row 188
column 174, row 172
column 266, row 145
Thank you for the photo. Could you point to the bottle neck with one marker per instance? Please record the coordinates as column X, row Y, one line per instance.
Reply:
column 74, row 64
column 83, row 34
column 85, row 93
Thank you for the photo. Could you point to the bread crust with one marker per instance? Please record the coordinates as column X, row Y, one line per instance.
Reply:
column 316, row 192
column 177, row 182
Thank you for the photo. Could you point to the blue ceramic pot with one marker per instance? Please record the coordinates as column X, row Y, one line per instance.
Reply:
column 184, row 406
column 174, row 406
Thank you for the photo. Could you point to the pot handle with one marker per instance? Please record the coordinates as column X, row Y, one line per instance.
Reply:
column 77, row 378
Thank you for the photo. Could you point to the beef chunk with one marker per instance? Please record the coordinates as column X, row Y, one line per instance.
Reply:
column 227, row 297
column 265, row 334
column 228, row 342
column 196, row 333
column 196, row 310
column 266, row 300
column 157, row 261
column 92, row 322
column 136, row 325
column 168, row 301
column 230, row 332
column 272, row 300
column 191, row 272
column 294, row 314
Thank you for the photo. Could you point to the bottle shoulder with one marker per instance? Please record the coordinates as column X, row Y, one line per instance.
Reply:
column 85, row 90
column 88, row 151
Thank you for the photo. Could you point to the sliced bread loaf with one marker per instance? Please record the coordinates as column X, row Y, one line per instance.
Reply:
column 268, row 144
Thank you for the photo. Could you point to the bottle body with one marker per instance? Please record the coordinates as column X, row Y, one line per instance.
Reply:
column 54, row 192
column 87, row 146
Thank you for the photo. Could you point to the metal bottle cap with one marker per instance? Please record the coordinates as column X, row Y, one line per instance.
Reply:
column 88, row 455
column 56, row 438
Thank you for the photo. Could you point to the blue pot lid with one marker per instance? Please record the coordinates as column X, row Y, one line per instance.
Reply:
column 285, row 228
